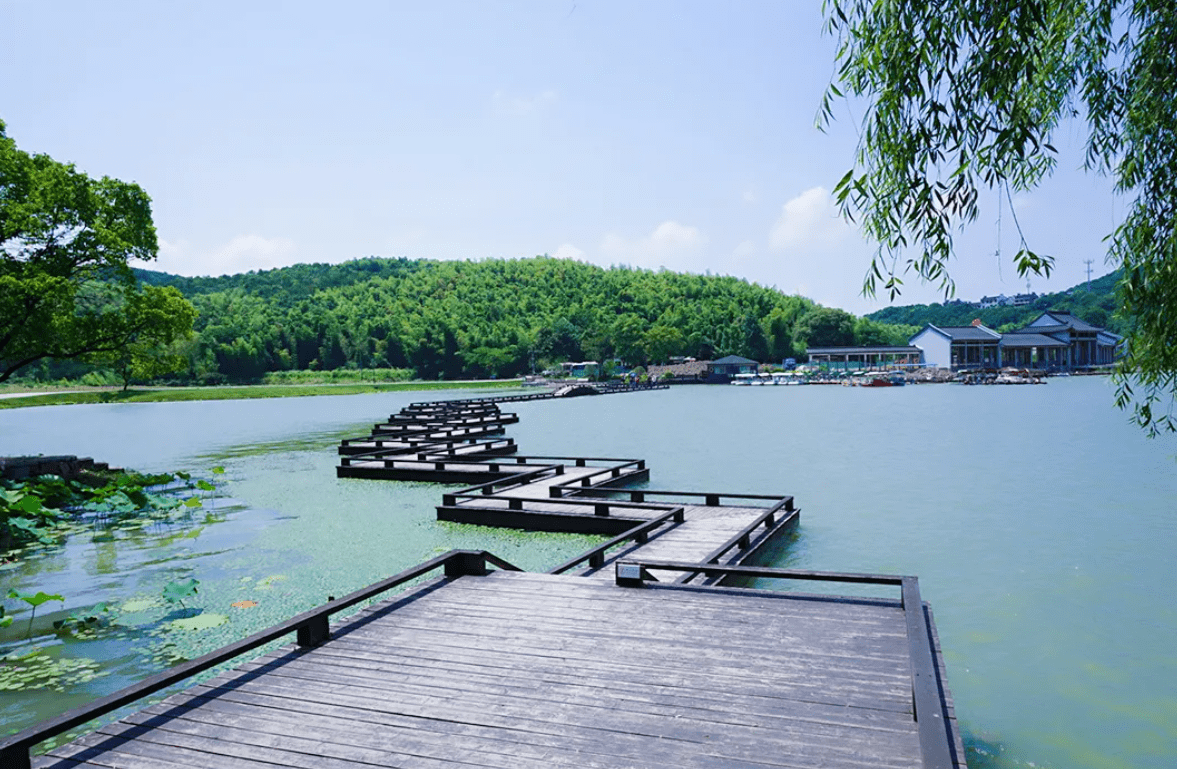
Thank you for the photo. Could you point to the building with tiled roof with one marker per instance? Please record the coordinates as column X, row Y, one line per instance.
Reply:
column 959, row 346
column 1053, row 340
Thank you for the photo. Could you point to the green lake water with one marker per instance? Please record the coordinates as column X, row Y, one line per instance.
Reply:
column 1041, row 524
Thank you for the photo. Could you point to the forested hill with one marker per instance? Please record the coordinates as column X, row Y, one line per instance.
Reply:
column 1095, row 305
column 286, row 283
column 495, row 317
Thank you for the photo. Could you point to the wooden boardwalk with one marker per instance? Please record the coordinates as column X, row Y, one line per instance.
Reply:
column 435, row 442
column 633, row 654
column 529, row 671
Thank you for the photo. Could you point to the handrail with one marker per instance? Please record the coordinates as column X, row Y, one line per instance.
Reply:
column 582, row 482
column 425, row 434
column 474, row 453
column 510, row 481
column 639, row 533
column 711, row 499
column 743, row 539
column 311, row 627
column 928, row 710
column 516, row 503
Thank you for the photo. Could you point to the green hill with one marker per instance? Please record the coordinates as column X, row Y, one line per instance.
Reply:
column 1096, row 305
column 477, row 318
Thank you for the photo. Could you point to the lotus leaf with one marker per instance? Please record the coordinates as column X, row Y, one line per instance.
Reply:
column 200, row 622
column 37, row 670
column 35, row 600
column 176, row 592
column 268, row 582
column 139, row 604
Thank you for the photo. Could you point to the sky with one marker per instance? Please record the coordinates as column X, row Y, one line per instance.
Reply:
column 677, row 135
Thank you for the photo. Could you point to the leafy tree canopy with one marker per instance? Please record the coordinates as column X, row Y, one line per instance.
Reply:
column 966, row 95
column 65, row 288
column 826, row 327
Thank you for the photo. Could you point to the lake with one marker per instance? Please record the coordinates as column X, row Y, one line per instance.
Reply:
column 1040, row 522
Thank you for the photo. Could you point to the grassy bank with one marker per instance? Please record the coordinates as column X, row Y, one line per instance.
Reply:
column 165, row 394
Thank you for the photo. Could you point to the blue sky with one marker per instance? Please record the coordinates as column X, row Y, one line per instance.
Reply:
column 653, row 134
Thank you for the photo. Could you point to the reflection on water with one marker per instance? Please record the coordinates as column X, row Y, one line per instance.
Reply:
column 1039, row 522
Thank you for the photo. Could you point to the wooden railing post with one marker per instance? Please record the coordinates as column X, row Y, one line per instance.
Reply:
column 16, row 756
column 465, row 564
column 316, row 631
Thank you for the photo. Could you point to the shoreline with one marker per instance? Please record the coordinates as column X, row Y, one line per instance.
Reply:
column 73, row 397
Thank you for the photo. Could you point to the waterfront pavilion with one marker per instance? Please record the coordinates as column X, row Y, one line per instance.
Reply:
column 876, row 356
column 972, row 346
column 1029, row 350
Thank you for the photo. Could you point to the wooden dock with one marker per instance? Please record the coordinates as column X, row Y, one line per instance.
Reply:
column 528, row 671
column 636, row 653
column 431, row 442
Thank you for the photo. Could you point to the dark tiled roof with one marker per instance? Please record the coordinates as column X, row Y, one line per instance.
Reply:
column 963, row 333
column 1025, row 339
column 1041, row 330
column 1071, row 321
column 906, row 350
column 729, row 360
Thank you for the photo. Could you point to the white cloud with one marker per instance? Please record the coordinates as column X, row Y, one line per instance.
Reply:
column 569, row 251
column 746, row 249
column 518, row 105
column 810, row 220
column 241, row 254
column 672, row 245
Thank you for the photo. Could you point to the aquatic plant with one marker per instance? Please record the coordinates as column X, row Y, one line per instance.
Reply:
column 176, row 592
column 37, row 669
column 202, row 621
column 84, row 623
column 34, row 600
column 43, row 509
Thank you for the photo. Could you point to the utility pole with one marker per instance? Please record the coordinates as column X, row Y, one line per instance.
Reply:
column 1088, row 263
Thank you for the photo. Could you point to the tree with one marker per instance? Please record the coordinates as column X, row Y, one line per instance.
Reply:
column 152, row 327
column 964, row 95
column 559, row 341
column 66, row 290
column 660, row 342
column 826, row 327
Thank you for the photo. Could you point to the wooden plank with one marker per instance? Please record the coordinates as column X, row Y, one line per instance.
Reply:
column 525, row 671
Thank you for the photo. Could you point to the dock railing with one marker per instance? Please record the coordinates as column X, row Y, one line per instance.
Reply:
column 311, row 628
column 927, row 703
column 412, row 456
column 638, row 534
column 777, row 516
column 710, row 498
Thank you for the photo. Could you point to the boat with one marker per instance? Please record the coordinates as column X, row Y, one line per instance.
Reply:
column 881, row 379
column 788, row 378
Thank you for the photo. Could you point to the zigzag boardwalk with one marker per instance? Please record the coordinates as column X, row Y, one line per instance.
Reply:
column 433, row 442
column 649, row 662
